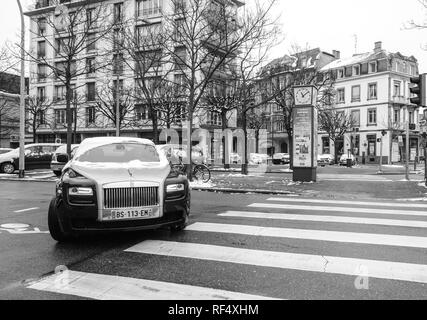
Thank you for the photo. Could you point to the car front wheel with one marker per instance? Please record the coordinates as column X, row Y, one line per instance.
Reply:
column 183, row 225
column 7, row 168
column 54, row 224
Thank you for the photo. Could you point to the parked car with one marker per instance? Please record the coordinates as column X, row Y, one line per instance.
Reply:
column 176, row 153
column 117, row 184
column 4, row 150
column 325, row 159
column 60, row 158
column 37, row 156
column 281, row 158
column 258, row 158
column 344, row 157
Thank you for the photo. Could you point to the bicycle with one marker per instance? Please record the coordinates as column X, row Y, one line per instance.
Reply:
column 199, row 171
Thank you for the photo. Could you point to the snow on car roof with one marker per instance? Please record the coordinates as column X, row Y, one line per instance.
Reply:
column 91, row 143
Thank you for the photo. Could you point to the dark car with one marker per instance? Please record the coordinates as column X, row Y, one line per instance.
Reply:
column 37, row 156
column 60, row 158
column 118, row 184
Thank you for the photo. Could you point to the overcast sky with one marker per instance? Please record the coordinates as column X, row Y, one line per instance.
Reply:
column 328, row 24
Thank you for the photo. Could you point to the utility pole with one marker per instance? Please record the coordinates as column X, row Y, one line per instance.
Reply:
column 22, row 98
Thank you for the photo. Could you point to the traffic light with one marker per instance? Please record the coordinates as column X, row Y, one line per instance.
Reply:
column 419, row 89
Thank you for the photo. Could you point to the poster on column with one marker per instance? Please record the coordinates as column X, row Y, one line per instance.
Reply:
column 303, row 149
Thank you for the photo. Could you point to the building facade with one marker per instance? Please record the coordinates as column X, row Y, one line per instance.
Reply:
column 147, row 16
column 373, row 89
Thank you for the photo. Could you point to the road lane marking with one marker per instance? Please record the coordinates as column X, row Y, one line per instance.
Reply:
column 25, row 210
column 308, row 234
column 295, row 261
column 340, row 219
column 362, row 203
column 107, row 287
column 339, row 209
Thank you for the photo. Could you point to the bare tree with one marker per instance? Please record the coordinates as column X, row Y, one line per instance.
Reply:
column 36, row 108
column 222, row 99
column 140, row 48
column 256, row 121
column 73, row 35
column 105, row 104
column 9, row 120
column 205, row 36
column 335, row 123
column 170, row 104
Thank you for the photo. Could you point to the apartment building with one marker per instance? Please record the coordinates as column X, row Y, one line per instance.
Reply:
column 373, row 88
column 147, row 16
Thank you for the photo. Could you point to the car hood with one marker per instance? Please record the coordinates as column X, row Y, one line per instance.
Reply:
column 9, row 156
column 103, row 173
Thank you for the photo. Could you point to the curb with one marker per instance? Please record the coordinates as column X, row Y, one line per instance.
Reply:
column 230, row 190
column 26, row 180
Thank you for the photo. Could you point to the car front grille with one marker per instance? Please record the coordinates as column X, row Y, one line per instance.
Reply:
column 131, row 197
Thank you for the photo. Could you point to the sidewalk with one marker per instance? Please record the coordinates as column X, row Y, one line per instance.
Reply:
column 333, row 186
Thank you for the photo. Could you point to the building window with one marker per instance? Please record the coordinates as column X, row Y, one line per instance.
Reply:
column 41, row 116
column 118, row 12
column 90, row 19
column 340, row 73
column 326, row 149
column 214, row 118
column 141, row 112
column 41, row 94
column 60, row 116
column 148, row 34
column 411, row 116
column 355, row 118
column 60, row 93
column 149, row 7
column 356, row 70
column 341, row 95
column 90, row 66
column 372, row 116
column 372, row 145
column 41, row 49
column 355, row 144
column 180, row 58
column 179, row 6
column 373, row 67
column 355, row 93
column 90, row 91
column 41, row 24
column 91, row 42
column 396, row 89
column 90, row 115
column 372, row 91
column 41, row 72
column 396, row 115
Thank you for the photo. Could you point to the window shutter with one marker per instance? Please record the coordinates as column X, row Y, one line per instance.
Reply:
column 364, row 68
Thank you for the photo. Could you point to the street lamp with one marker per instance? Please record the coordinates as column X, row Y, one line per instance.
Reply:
column 22, row 98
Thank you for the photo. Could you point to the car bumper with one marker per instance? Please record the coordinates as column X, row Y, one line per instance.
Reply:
column 75, row 220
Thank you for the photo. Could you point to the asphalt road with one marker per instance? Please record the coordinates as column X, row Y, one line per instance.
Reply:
column 260, row 245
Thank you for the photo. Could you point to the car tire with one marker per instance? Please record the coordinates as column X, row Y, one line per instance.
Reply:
column 54, row 225
column 57, row 173
column 183, row 225
column 8, row 168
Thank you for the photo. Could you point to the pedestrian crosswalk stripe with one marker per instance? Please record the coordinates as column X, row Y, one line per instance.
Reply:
column 296, row 261
column 108, row 287
column 309, row 234
column 340, row 219
column 352, row 203
column 338, row 209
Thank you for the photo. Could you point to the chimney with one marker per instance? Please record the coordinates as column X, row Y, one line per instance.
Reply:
column 378, row 46
column 336, row 54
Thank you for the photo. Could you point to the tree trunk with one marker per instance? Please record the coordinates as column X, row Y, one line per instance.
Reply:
column 155, row 126
column 291, row 149
column 68, row 112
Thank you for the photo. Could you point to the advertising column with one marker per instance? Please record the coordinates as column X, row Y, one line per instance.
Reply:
column 304, row 135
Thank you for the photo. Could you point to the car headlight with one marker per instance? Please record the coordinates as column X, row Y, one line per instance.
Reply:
column 80, row 191
column 175, row 187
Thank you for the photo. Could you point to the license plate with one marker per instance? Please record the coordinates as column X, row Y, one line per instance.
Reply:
column 130, row 214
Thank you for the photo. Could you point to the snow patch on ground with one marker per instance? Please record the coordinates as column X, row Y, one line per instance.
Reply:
column 201, row 184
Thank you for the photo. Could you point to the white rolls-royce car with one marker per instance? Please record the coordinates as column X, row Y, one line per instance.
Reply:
column 117, row 184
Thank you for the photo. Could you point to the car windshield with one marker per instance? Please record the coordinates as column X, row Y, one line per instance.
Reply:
column 121, row 153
